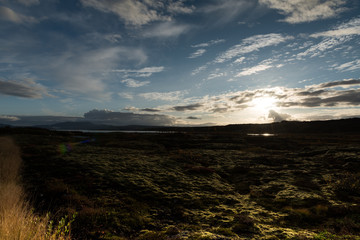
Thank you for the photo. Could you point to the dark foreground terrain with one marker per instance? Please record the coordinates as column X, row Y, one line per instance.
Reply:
column 195, row 185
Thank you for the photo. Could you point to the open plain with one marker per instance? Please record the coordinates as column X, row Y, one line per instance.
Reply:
column 195, row 185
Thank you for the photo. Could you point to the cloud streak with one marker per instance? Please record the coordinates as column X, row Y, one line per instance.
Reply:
column 134, row 83
column 7, row 14
column 301, row 11
column 26, row 89
column 252, row 44
column 208, row 44
column 197, row 53
column 169, row 29
column 143, row 72
column 163, row 96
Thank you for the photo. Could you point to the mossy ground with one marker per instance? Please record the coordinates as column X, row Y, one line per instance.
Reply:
column 196, row 186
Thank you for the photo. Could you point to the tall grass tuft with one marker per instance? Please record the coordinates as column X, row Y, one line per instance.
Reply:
column 17, row 221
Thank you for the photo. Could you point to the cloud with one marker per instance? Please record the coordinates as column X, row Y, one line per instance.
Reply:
column 349, row 66
column 216, row 75
column 278, row 117
column 7, row 14
column 208, row 44
column 199, row 69
column 82, row 70
column 165, row 30
column 179, row 7
column 300, row 11
column 323, row 95
column 113, row 38
column 253, row 70
column 134, row 83
column 342, row 94
column 343, row 83
column 239, row 60
column 338, row 35
column 252, row 44
column 193, row 118
column 223, row 11
column 137, row 12
column 125, row 118
column 125, row 95
column 25, row 89
column 150, row 110
column 190, row 107
column 349, row 28
column 144, row 72
column 9, row 118
column 133, row 12
column 324, row 46
column 164, row 96
column 197, row 53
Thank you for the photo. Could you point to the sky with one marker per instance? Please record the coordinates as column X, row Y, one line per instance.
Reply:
column 178, row 62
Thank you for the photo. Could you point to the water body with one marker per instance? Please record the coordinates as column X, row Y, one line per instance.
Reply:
column 262, row 134
column 114, row 131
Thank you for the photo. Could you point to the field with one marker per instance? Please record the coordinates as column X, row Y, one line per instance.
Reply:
column 195, row 185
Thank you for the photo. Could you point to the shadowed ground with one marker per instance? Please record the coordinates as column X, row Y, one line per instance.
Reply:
column 197, row 186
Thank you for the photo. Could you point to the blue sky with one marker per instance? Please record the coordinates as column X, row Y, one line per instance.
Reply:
column 178, row 62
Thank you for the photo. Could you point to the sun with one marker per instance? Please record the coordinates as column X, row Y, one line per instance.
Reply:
column 263, row 104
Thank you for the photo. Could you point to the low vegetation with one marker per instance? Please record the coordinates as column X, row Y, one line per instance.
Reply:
column 196, row 186
column 17, row 221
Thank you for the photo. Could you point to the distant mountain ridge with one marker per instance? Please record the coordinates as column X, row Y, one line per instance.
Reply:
column 328, row 126
column 351, row 125
column 92, row 126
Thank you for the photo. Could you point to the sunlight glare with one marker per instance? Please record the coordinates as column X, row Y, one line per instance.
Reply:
column 263, row 104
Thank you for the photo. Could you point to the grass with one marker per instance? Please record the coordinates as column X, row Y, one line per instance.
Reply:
column 17, row 221
column 196, row 186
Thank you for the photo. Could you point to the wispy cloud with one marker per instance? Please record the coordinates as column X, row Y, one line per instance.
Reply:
column 349, row 66
column 126, row 95
column 216, row 75
column 197, row 53
column 25, row 89
column 332, row 38
column 351, row 27
column 84, row 71
column 143, row 72
column 7, row 14
column 208, row 44
column 306, row 11
column 179, row 7
column 223, row 11
column 165, row 30
column 133, row 12
column 323, row 46
column 134, row 83
column 164, row 96
column 253, row 70
column 199, row 69
column 262, row 66
column 252, row 44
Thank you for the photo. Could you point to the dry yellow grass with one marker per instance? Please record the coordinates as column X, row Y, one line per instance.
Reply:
column 17, row 221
